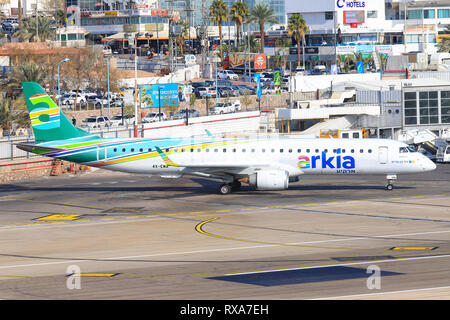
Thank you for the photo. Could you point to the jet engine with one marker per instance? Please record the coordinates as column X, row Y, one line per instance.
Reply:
column 270, row 180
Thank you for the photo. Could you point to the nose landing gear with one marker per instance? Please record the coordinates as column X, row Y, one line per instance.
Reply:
column 390, row 178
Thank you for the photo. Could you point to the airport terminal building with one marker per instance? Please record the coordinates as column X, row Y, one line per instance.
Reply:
column 392, row 27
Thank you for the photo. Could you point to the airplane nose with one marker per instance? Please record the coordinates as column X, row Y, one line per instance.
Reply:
column 429, row 165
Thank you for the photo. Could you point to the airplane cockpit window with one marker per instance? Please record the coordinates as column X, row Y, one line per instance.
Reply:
column 411, row 149
column 403, row 150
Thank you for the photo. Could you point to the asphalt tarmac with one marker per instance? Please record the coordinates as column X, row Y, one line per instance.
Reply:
column 108, row 235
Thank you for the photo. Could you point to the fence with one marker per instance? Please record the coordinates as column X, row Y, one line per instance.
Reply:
column 9, row 151
column 439, row 75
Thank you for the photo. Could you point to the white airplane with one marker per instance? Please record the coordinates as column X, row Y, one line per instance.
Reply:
column 265, row 163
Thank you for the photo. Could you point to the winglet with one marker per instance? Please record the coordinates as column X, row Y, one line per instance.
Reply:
column 166, row 159
column 209, row 133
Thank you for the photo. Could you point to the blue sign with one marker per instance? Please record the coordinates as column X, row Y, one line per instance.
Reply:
column 360, row 67
column 258, row 84
column 151, row 93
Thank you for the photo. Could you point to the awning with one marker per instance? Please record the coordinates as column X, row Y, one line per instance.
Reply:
column 120, row 36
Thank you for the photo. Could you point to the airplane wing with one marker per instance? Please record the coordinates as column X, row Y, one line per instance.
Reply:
column 223, row 168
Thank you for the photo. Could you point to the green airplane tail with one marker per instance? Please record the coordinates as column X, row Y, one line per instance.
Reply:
column 47, row 120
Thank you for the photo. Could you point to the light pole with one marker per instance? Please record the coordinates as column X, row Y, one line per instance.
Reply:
column 136, row 35
column 109, row 98
column 59, row 87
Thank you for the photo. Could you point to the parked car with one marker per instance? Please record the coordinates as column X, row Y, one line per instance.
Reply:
column 95, row 122
column 268, row 90
column 97, row 100
column 69, row 99
column 181, row 114
column 154, row 117
column 226, row 92
column 117, row 120
column 246, row 90
column 300, row 71
column 319, row 70
column 206, row 91
column 226, row 107
column 227, row 75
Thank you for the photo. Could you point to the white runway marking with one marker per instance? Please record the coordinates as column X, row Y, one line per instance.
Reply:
column 382, row 293
column 238, row 248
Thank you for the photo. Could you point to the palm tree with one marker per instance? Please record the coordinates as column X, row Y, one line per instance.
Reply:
column 181, row 38
column 25, row 72
column 238, row 13
column 444, row 44
column 42, row 29
column 282, row 44
column 297, row 26
column 262, row 14
column 13, row 113
column 219, row 14
column 61, row 17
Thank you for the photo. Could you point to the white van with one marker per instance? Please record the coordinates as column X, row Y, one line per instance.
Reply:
column 443, row 154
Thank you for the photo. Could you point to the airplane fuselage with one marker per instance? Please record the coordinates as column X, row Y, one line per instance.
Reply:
column 296, row 155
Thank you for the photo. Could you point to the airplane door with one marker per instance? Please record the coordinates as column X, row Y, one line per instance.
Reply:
column 383, row 155
column 101, row 153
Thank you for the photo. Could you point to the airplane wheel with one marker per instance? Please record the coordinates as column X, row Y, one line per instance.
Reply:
column 389, row 187
column 225, row 189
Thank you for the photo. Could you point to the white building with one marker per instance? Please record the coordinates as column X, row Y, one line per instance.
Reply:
column 385, row 26
column 10, row 7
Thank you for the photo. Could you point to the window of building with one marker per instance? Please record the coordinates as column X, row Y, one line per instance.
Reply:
column 415, row 14
column 445, row 106
column 372, row 14
column 428, row 107
column 413, row 38
column 329, row 15
column 410, row 108
column 443, row 13
column 429, row 13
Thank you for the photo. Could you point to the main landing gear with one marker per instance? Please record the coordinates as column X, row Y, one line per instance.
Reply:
column 390, row 178
column 227, row 188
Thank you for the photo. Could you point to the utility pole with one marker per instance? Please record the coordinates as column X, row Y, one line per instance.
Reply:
column 204, row 39
column 189, row 10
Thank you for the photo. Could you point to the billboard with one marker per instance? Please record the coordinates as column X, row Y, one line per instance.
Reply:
column 354, row 16
column 150, row 94
column 260, row 61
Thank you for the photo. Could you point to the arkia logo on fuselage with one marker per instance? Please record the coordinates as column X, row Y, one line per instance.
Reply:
column 324, row 162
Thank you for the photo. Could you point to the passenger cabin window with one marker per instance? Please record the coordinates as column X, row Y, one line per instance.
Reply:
column 355, row 135
column 345, row 135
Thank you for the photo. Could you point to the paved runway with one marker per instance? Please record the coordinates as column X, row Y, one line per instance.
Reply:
column 135, row 237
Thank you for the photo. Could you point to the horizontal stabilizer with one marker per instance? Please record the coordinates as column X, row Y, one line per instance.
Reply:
column 31, row 147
